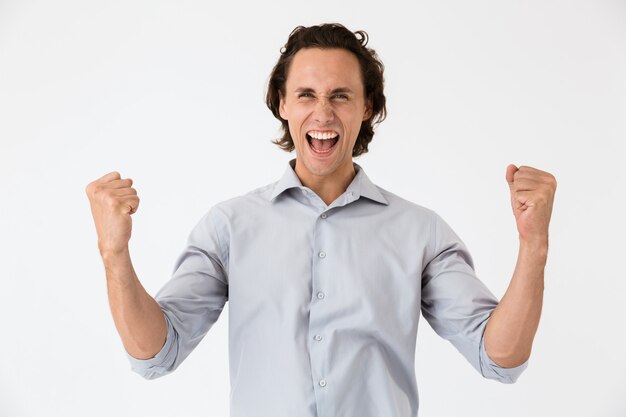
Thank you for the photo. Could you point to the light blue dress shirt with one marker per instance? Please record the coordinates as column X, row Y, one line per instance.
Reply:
column 324, row 301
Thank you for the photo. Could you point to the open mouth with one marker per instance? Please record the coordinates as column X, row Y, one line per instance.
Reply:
column 322, row 143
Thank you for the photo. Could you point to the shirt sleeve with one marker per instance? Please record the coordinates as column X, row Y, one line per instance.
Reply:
column 457, row 304
column 193, row 298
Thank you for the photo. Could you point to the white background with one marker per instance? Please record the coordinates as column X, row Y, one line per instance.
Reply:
column 171, row 94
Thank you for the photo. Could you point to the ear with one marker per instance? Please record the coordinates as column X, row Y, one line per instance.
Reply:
column 281, row 107
column 368, row 109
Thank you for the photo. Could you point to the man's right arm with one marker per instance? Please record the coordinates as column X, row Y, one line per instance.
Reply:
column 138, row 318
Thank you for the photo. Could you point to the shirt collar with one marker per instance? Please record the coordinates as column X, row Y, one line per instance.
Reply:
column 361, row 186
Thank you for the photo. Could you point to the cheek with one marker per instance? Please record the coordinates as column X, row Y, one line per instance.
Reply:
column 350, row 112
column 295, row 129
column 350, row 119
column 298, row 117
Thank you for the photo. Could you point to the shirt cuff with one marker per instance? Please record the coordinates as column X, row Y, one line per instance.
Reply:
column 161, row 363
column 491, row 370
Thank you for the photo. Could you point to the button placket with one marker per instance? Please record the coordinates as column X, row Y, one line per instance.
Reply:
column 318, row 344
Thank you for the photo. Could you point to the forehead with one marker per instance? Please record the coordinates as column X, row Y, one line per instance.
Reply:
column 324, row 68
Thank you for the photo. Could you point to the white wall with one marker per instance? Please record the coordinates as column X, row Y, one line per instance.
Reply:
column 171, row 94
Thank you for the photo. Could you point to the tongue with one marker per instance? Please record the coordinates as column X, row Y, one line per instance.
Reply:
column 323, row 145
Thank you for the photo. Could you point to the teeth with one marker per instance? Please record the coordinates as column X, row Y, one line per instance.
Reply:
column 323, row 135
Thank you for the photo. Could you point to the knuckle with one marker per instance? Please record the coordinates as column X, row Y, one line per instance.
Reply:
column 553, row 180
column 96, row 189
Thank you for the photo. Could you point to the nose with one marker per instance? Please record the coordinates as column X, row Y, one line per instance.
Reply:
column 323, row 112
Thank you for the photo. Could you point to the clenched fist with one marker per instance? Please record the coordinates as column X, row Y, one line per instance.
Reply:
column 112, row 201
column 532, row 197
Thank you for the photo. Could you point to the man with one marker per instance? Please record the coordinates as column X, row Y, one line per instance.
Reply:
column 325, row 273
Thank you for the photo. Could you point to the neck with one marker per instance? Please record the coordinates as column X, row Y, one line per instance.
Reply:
column 328, row 188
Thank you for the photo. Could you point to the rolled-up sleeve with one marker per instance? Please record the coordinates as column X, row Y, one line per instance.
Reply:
column 489, row 369
column 160, row 363
column 193, row 298
column 457, row 304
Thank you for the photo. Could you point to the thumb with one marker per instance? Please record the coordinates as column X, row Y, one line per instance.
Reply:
column 510, row 171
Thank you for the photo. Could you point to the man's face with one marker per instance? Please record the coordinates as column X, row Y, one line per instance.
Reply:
column 324, row 105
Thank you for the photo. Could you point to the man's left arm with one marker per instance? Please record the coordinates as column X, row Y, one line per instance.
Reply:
column 512, row 326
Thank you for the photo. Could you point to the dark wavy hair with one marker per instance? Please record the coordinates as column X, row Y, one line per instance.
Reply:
column 328, row 36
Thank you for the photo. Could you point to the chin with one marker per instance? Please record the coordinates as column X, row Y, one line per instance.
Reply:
column 324, row 167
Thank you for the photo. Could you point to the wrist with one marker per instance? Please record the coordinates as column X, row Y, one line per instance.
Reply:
column 115, row 258
column 110, row 253
column 118, row 268
column 536, row 247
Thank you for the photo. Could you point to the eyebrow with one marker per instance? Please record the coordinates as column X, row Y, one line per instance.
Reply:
column 335, row 91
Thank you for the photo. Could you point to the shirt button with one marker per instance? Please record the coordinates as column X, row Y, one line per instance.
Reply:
column 324, row 215
column 320, row 295
column 322, row 254
column 318, row 337
column 322, row 382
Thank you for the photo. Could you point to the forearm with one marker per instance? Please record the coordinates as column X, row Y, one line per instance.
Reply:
column 137, row 316
column 512, row 326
